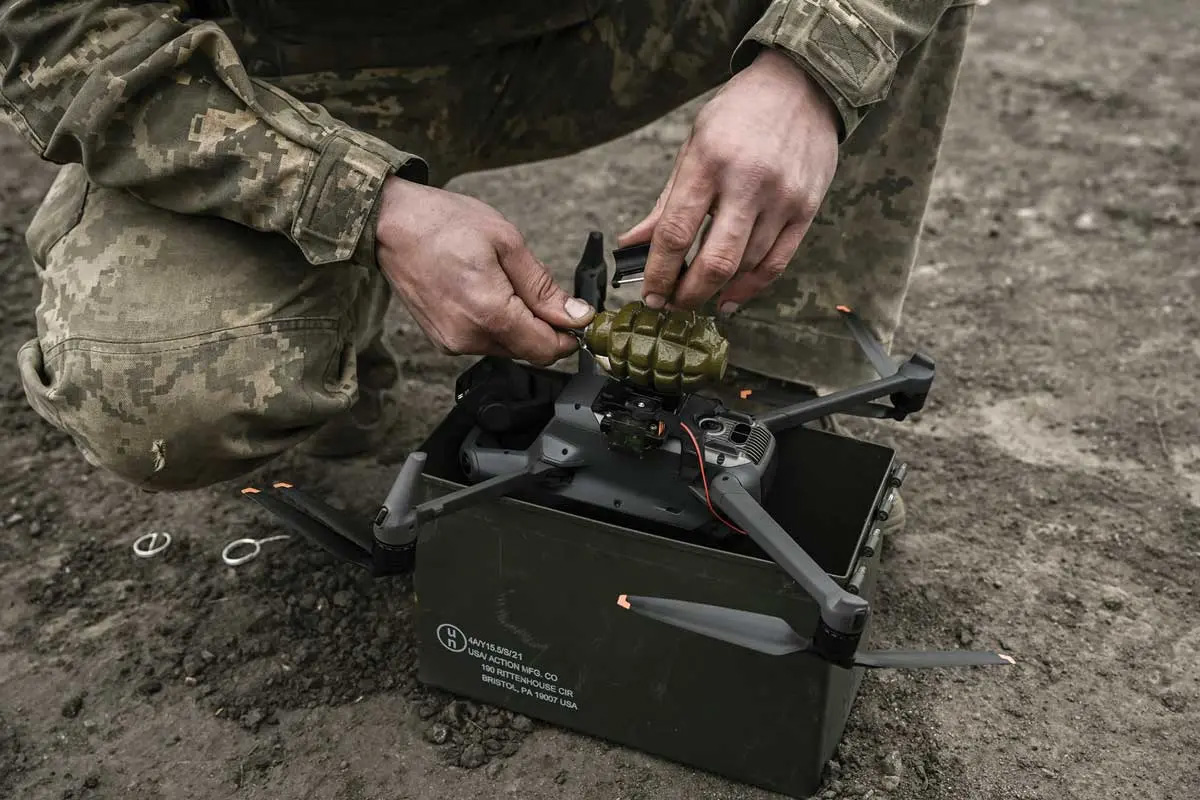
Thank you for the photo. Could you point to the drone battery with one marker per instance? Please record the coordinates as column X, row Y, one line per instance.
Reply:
column 517, row 606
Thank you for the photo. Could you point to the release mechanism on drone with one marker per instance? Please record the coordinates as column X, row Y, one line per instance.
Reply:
column 638, row 435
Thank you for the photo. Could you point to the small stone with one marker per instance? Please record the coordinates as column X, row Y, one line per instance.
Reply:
column 454, row 713
column 522, row 723
column 35, row 528
column 91, row 781
column 1087, row 222
column 252, row 719
column 13, row 519
column 1174, row 702
column 493, row 769
column 890, row 782
column 149, row 687
column 343, row 599
column 1112, row 598
column 189, row 681
column 437, row 733
column 427, row 710
column 207, row 655
column 89, row 724
column 472, row 757
column 892, row 765
column 835, row 768
column 345, row 765
column 73, row 705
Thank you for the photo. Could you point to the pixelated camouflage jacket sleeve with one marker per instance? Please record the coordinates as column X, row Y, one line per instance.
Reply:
column 162, row 107
column 851, row 47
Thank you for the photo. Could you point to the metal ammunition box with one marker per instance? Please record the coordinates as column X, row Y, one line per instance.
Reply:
column 517, row 607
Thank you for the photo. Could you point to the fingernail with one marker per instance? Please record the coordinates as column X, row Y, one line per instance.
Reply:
column 655, row 300
column 576, row 308
column 729, row 307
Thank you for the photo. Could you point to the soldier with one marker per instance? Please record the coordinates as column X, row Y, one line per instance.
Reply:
column 247, row 182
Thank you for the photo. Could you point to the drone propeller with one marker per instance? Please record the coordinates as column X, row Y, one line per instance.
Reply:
column 774, row 637
column 882, row 362
column 386, row 544
column 335, row 531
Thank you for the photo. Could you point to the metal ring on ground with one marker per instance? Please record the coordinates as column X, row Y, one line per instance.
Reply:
column 153, row 549
column 255, row 544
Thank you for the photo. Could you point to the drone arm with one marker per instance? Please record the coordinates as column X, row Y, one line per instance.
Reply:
column 398, row 519
column 843, row 614
column 492, row 487
column 911, row 381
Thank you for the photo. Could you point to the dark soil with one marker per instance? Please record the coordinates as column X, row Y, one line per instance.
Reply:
column 1054, row 497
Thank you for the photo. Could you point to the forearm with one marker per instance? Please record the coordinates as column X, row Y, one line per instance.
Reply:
column 163, row 108
column 850, row 47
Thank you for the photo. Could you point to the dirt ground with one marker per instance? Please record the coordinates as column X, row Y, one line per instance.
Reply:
column 1054, row 498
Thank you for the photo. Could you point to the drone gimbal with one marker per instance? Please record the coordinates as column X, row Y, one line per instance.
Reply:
column 683, row 460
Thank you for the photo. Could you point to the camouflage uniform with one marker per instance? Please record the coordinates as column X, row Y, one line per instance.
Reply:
column 210, row 292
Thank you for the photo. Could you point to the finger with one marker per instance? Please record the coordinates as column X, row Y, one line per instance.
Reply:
column 748, row 284
column 534, row 285
column 515, row 328
column 766, row 231
column 643, row 230
column 720, row 256
column 682, row 215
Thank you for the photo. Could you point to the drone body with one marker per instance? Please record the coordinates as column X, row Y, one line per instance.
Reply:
column 620, row 447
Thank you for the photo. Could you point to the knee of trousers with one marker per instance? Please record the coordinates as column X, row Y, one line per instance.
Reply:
column 190, row 413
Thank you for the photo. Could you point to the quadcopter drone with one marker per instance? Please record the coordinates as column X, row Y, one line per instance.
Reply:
column 664, row 454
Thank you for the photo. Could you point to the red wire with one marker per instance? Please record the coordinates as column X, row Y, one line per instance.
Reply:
column 704, row 478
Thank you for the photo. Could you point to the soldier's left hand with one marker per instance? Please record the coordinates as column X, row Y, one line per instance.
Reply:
column 759, row 159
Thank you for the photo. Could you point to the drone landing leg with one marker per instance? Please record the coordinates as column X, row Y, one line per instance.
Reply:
column 843, row 615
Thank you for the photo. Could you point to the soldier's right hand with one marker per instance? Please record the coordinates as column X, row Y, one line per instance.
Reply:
column 468, row 278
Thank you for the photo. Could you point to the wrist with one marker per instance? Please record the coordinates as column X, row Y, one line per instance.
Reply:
column 785, row 69
column 387, row 218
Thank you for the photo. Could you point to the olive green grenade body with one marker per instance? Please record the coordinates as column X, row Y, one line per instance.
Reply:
column 671, row 352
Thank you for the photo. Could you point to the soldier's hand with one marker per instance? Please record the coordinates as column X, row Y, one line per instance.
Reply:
column 465, row 273
column 760, row 157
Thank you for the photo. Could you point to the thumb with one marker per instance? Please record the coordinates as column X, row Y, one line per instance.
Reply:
column 533, row 283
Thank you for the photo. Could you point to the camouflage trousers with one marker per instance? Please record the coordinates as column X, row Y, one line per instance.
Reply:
column 180, row 351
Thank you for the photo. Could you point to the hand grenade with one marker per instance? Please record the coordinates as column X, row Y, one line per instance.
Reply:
column 671, row 352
